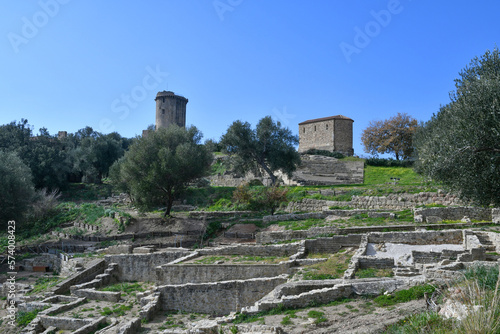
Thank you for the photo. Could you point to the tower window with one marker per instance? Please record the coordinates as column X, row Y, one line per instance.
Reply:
column 304, row 129
column 315, row 128
column 163, row 111
column 327, row 126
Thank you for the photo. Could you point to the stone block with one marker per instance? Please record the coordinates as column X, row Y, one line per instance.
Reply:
column 433, row 219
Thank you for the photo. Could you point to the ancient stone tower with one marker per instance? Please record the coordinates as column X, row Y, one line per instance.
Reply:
column 170, row 109
column 332, row 134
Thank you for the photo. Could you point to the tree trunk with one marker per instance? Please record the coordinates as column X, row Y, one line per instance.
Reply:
column 269, row 172
column 170, row 201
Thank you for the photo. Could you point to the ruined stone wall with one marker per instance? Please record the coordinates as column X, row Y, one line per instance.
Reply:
column 54, row 262
column 95, row 267
column 418, row 237
column 216, row 298
column 314, row 170
column 197, row 273
column 274, row 237
column 217, row 214
column 333, row 244
column 254, row 250
column 140, row 267
column 322, row 170
column 391, row 202
column 373, row 262
column 455, row 213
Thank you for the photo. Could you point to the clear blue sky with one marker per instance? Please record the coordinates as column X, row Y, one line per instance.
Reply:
column 66, row 64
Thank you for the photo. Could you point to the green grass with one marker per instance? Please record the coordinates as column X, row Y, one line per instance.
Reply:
column 403, row 296
column 118, row 310
column 382, row 175
column 427, row 322
column 44, row 283
column 362, row 219
column 319, row 317
column 332, row 268
column 373, row 272
column 24, row 318
column 286, row 321
column 128, row 288
column 302, row 224
column 486, row 276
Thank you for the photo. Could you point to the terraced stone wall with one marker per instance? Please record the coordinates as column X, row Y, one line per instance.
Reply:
column 216, row 298
column 198, row 273
column 140, row 267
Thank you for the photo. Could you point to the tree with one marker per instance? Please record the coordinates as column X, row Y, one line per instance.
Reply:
column 158, row 167
column 269, row 148
column 460, row 145
column 393, row 136
column 17, row 188
column 43, row 154
column 95, row 153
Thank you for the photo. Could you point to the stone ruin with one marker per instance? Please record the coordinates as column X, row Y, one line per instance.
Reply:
column 220, row 289
column 428, row 251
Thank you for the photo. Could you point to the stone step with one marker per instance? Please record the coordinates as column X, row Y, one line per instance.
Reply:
column 406, row 271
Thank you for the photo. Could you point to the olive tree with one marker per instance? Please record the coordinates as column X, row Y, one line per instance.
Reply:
column 460, row 145
column 157, row 168
column 17, row 188
column 269, row 148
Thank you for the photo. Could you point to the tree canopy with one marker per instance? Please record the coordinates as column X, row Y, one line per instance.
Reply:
column 269, row 147
column 17, row 188
column 460, row 145
column 86, row 155
column 157, row 168
column 393, row 136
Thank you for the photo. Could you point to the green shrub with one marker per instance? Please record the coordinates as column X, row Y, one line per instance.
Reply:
column 24, row 318
column 379, row 162
column 325, row 153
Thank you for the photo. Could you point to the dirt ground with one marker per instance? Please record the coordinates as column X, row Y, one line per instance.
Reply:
column 358, row 316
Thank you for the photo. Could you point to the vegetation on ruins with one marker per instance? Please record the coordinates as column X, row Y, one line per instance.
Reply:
column 478, row 292
column 269, row 147
column 392, row 136
column 460, row 145
column 158, row 168
column 260, row 198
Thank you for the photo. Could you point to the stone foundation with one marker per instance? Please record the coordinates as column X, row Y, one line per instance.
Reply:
column 216, row 298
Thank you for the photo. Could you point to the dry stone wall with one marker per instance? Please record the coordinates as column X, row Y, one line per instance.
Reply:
column 96, row 267
column 322, row 170
column 139, row 267
column 197, row 273
column 254, row 250
column 454, row 213
column 391, row 202
column 314, row 170
column 418, row 237
column 217, row 298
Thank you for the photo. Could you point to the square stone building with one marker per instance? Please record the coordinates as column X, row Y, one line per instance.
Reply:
column 332, row 134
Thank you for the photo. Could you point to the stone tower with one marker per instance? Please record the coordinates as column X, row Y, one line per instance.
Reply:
column 332, row 134
column 170, row 109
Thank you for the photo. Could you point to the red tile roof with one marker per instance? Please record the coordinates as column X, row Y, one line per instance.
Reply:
column 326, row 119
